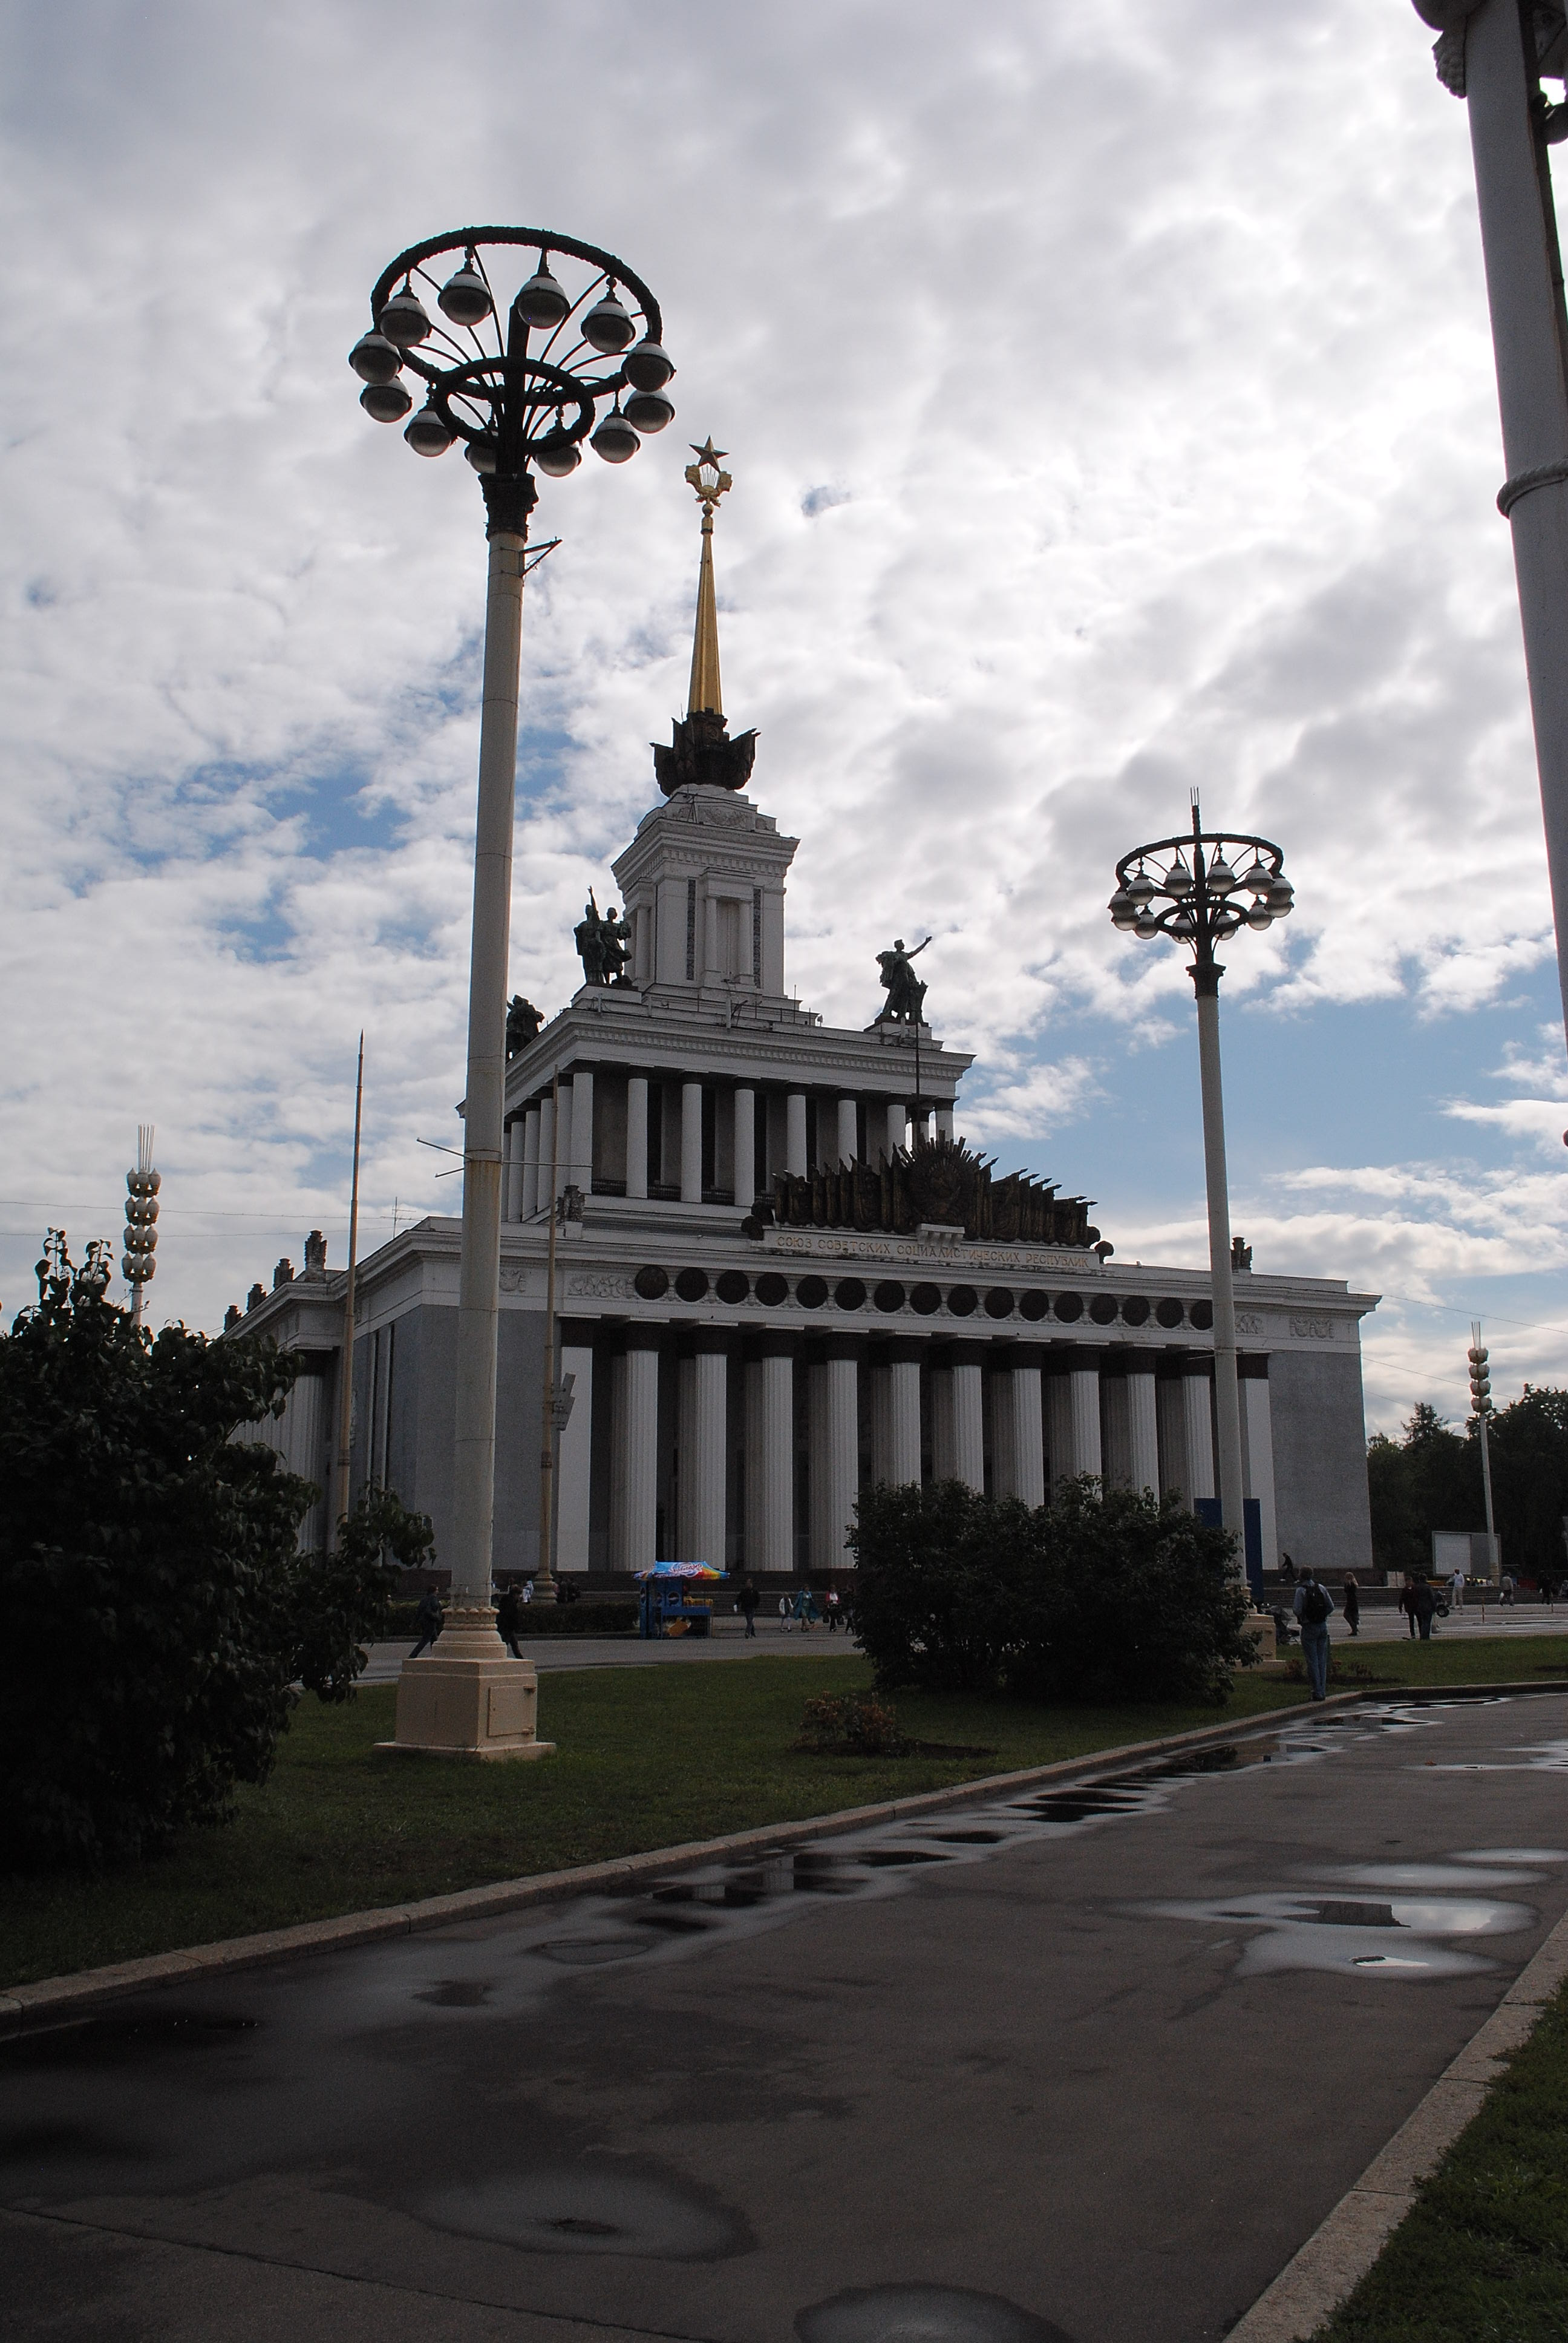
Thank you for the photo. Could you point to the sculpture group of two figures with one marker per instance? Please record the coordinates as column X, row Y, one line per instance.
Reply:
column 906, row 994
column 604, row 944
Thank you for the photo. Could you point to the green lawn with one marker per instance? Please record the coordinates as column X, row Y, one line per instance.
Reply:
column 1483, row 2255
column 648, row 1757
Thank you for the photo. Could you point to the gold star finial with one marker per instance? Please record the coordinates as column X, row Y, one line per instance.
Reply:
column 710, row 480
column 707, row 477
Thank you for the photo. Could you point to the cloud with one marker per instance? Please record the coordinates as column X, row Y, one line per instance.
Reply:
column 1107, row 419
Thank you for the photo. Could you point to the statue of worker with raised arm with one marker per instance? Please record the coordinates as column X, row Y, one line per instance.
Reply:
column 906, row 994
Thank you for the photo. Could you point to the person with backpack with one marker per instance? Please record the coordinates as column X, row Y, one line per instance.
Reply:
column 510, row 1618
column 429, row 1619
column 1314, row 1607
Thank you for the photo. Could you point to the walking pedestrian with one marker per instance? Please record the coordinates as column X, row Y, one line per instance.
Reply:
column 805, row 1609
column 1287, row 1570
column 833, row 1608
column 527, row 1590
column 510, row 1618
column 784, row 1613
column 1507, row 1591
column 749, row 1605
column 1423, row 1603
column 1407, row 1600
column 1456, row 1592
column 1314, row 1607
column 429, row 1620
column 1352, row 1593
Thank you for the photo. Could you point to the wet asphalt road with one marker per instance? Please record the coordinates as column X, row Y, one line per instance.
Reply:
column 1087, row 2063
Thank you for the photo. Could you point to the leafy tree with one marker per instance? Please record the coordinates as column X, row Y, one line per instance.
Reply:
column 1432, row 1480
column 159, row 1615
column 1103, row 1595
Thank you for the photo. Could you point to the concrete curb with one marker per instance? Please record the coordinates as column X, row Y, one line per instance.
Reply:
column 57, row 2000
column 1341, row 2250
column 53, row 2000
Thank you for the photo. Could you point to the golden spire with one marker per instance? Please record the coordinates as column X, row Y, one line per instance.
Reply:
column 704, row 692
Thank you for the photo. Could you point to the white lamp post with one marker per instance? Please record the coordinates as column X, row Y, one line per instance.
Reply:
column 1200, row 902
column 519, row 382
column 1494, row 53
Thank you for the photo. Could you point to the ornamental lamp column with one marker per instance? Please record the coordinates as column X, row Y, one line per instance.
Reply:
column 519, row 382
column 1200, row 903
column 137, row 1264
column 1494, row 53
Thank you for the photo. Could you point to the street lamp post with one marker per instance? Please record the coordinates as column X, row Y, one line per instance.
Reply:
column 1199, row 902
column 1494, row 54
column 519, row 382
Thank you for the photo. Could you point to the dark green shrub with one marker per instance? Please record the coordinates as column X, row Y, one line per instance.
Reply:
column 935, row 1582
column 588, row 1617
column 1104, row 1596
column 158, row 1613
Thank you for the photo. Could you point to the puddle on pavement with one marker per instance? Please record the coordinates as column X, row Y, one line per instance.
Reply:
column 1407, row 1920
column 1300, row 1930
column 922, row 2314
column 585, row 2210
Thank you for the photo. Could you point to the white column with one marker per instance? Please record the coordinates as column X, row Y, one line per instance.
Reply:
column 640, row 1456
column 529, row 1203
column 709, row 1460
column 309, row 1426
column 574, row 1461
column 581, row 1172
column 897, row 1126
column 1142, row 1430
column 1170, row 1416
column 546, row 1113
column 968, row 1425
column 744, row 1147
column 775, row 1545
column 1003, row 1445
column 691, row 1155
column 1029, row 1437
column 944, row 1123
column 686, row 1455
column 637, row 1135
column 1085, row 1456
column 1197, row 1427
column 710, row 970
column 1261, row 1462
column 616, row 1546
column 849, row 1131
column 818, row 1486
column 1059, row 1423
column 795, row 1133
column 1115, row 1432
column 843, row 1455
column 944, row 1459
column 881, row 1423
column 564, row 1138
column 904, row 1409
column 514, row 1181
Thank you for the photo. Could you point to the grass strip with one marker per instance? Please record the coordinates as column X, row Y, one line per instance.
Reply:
column 1483, row 2255
column 648, row 1757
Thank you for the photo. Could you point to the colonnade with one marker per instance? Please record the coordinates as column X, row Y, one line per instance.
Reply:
column 534, row 1143
column 774, row 1433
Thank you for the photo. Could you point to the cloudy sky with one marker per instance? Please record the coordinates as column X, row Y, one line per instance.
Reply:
column 1110, row 408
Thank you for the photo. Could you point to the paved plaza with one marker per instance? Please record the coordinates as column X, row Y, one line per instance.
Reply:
column 1084, row 2062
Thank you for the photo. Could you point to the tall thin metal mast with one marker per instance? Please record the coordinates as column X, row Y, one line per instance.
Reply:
column 345, row 1371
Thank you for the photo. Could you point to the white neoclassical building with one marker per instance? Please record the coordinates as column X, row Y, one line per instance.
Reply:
column 781, row 1278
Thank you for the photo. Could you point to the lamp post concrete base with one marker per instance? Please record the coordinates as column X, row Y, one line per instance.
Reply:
column 1259, row 1626
column 468, row 1698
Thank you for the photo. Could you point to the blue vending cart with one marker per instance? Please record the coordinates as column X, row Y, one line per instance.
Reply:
column 667, row 1607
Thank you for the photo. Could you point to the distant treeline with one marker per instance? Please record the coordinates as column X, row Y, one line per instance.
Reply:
column 1430, row 1478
